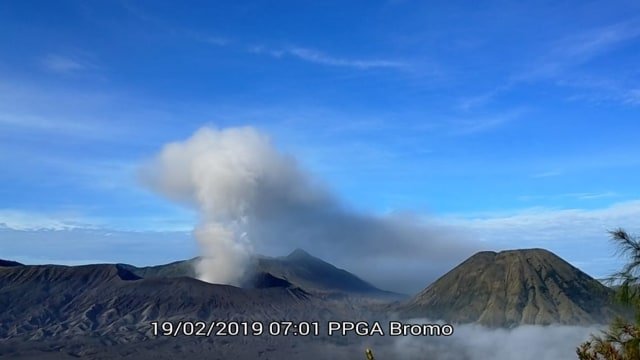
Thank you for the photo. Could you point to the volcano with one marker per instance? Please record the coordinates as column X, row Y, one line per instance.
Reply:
column 510, row 288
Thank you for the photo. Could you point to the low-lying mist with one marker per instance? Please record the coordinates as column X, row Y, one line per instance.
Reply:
column 476, row 342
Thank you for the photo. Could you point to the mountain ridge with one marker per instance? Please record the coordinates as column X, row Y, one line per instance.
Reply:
column 106, row 310
column 298, row 268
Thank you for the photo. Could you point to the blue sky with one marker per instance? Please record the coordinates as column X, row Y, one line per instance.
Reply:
column 515, row 121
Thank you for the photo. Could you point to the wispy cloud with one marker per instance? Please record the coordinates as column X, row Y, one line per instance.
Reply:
column 548, row 227
column 580, row 48
column 632, row 97
column 470, row 102
column 565, row 54
column 468, row 126
column 32, row 110
column 604, row 92
column 217, row 40
column 586, row 45
column 82, row 246
column 577, row 195
column 325, row 59
column 63, row 64
column 299, row 52
column 206, row 38
column 23, row 220
column 547, row 174
column 589, row 196
column 562, row 57
column 322, row 58
column 176, row 221
column 52, row 124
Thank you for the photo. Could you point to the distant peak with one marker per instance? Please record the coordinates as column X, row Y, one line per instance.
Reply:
column 299, row 254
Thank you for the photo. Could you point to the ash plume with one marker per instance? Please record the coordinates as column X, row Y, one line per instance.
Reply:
column 253, row 198
column 225, row 175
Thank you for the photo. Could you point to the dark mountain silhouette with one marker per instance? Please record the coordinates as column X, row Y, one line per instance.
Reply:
column 532, row 286
column 8, row 263
column 299, row 268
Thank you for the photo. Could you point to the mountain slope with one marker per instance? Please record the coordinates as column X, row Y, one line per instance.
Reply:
column 315, row 275
column 532, row 286
column 63, row 301
column 106, row 312
column 184, row 268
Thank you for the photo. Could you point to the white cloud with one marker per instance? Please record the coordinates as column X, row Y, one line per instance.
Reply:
column 578, row 235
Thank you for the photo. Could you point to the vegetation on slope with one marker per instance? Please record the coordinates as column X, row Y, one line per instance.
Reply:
column 622, row 340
